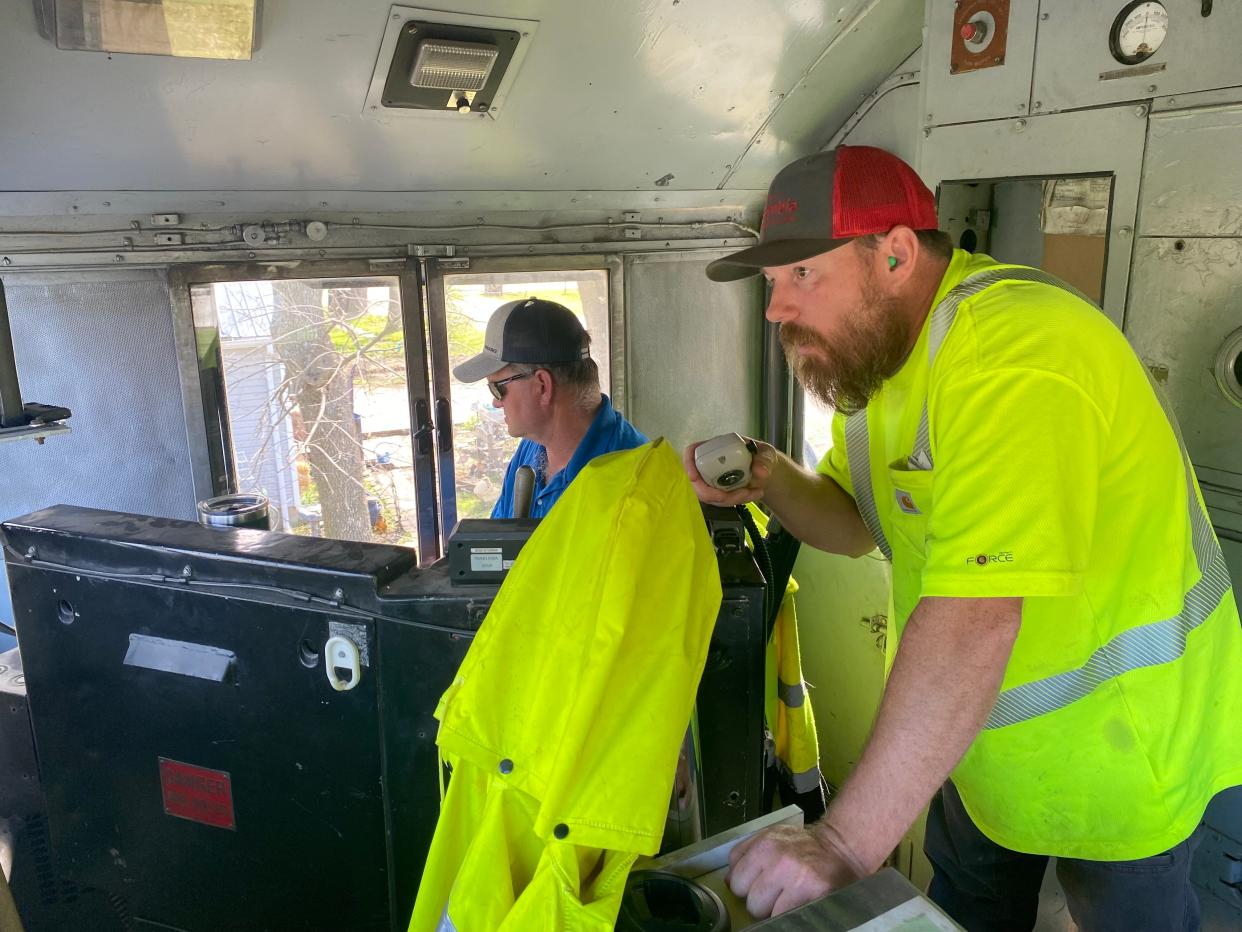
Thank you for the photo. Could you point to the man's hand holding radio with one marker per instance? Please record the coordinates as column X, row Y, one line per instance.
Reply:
column 729, row 469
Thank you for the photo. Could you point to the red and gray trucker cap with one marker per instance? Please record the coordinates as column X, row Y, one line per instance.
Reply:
column 531, row 330
column 824, row 200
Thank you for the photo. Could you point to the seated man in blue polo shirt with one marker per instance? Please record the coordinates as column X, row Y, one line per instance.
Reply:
column 536, row 359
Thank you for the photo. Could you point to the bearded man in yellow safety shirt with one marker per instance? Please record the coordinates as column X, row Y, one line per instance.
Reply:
column 1066, row 671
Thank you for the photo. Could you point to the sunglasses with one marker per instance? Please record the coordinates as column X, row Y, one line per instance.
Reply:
column 497, row 388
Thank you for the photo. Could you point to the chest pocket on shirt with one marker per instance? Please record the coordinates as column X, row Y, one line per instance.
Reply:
column 910, row 503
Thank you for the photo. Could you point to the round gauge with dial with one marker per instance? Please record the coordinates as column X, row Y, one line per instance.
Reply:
column 1138, row 31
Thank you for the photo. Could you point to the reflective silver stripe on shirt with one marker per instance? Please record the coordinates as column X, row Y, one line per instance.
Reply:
column 1144, row 646
column 858, row 453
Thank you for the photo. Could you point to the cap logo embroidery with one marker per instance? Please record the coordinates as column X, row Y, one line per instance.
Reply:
column 779, row 210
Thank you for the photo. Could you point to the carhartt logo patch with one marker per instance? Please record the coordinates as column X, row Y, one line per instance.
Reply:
column 906, row 503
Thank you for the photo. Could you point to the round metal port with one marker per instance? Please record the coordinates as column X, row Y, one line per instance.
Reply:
column 1228, row 369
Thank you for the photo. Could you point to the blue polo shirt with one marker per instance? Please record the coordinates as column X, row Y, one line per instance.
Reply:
column 608, row 433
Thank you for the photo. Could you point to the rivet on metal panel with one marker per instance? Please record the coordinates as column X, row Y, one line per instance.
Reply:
column 1172, row 101
column 31, row 553
column 1021, row 107
column 118, row 258
column 1039, row 105
column 928, row 118
column 1019, row 126
column 187, row 571
column 8, row 261
column 1125, row 231
column 1151, row 88
column 250, row 255
column 338, row 594
column 412, row 30
column 1140, row 111
column 1044, row 17
column 926, row 130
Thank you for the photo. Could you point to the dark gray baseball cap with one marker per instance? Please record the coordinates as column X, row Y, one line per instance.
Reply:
column 532, row 331
column 824, row 200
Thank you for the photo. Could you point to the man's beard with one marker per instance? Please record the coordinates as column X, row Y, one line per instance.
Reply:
column 870, row 346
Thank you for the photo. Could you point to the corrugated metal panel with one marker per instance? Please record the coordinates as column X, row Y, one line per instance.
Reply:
column 105, row 350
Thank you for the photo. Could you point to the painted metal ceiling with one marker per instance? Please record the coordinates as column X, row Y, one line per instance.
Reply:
column 613, row 95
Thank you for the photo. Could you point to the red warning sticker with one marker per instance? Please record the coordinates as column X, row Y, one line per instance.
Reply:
column 197, row 794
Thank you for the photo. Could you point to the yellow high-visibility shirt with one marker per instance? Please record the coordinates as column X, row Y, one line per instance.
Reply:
column 1057, row 476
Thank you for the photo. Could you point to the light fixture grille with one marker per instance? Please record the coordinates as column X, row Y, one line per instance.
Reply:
column 452, row 66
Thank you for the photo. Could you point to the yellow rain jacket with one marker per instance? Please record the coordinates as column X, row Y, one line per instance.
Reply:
column 564, row 723
column 788, row 706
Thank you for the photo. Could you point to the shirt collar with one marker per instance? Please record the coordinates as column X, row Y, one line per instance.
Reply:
column 593, row 443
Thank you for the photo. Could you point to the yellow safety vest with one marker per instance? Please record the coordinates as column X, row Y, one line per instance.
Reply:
column 564, row 723
column 1023, row 451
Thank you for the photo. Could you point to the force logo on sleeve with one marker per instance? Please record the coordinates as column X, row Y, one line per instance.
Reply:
column 906, row 503
column 984, row 559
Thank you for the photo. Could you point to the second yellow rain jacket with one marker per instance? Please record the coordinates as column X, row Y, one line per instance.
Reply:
column 564, row 723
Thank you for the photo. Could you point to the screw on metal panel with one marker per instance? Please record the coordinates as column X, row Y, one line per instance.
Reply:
column 1021, row 107
column 1039, row 104
column 1125, row 231
column 30, row 553
column 1151, row 88
column 135, row 225
column 250, row 255
column 322, row 253
column 8, row 261
column 186, row 571
column 1141, row 110
column 338, row 594
column 1019, row 126
column 1172, row 101
column 412, row 30
column 926, row 130
column 118, row 258
column 997, row 60
column 1044, row 17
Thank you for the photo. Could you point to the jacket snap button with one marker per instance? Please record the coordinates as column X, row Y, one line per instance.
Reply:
column 506, row 766
column 561, row 830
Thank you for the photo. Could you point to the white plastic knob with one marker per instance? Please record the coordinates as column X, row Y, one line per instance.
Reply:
column 341, row 656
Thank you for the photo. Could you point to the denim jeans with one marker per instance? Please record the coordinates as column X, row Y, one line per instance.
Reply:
column 987, row 888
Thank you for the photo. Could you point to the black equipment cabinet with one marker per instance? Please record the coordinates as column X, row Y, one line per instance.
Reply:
column 198, row 767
